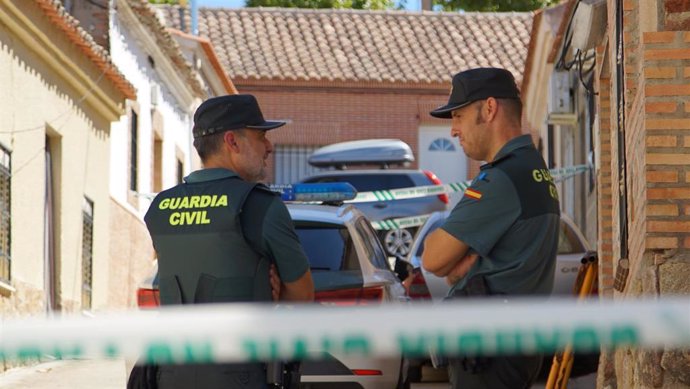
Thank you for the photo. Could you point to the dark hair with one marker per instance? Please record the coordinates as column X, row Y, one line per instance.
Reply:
column 513, row 108
column 209, row 144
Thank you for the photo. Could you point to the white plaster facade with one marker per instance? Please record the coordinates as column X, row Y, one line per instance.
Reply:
column 57, row 99
column 165, row 105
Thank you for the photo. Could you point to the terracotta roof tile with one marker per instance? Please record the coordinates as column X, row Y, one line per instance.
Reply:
column 359, row 46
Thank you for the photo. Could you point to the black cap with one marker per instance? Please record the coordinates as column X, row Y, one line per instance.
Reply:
column 231, row 112
column 478, row 84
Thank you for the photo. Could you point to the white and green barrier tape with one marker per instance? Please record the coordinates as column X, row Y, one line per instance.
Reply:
column 430, row 190
column 403, row 222
column 239, row 332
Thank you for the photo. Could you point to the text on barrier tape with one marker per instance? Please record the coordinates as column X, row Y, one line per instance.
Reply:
column 431, row 190
column 242, row 332
column 421, row 191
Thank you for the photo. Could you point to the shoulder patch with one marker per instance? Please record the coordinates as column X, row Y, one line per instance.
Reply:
column 472, row 193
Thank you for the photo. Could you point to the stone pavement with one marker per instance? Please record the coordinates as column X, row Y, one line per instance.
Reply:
column 72, row 374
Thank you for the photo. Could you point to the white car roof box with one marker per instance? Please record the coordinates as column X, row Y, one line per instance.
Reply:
column 381, row 152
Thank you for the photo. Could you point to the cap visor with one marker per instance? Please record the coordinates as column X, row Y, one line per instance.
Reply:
column 267, row 125
column 445, row 112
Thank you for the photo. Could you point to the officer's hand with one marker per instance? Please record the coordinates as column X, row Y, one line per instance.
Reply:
column 461, row 268
column 275, row 282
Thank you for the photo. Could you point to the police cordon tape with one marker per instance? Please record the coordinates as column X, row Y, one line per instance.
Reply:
column 423, row 191
column 243, row 332
column 430, row 190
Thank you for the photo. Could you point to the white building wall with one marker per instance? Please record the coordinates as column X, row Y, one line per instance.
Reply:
column 131, row 251
column 133, row 62
column 37, row 103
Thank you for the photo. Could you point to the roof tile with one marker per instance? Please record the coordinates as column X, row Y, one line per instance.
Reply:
column 359, row 46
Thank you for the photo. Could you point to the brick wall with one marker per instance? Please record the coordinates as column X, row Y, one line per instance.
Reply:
column 657, row 87
column 667, row 85
column 324, row 116
column 676, row 15
column 93, row 17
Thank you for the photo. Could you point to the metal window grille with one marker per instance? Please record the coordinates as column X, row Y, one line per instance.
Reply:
column 133, row 160
column 5, row 215
column 291, row 163
column 87, row 254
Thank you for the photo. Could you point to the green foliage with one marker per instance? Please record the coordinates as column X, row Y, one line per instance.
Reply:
column 493, row 5
column 353, row 4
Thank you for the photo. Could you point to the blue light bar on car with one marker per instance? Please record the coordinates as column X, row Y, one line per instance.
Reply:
column 326, row 192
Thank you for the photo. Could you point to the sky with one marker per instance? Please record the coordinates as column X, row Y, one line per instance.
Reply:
column 412, row 5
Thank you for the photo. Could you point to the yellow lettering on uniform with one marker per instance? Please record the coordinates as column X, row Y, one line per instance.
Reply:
column 194, row 202
column 546, row 174
column 205, row 201
column 165, row 203
column 188, row 218
column 204, row 219
column 185, row 202
column 553, row 191
column 174, row 203
column 536, row 174
column 175, row 219
column 222, row 201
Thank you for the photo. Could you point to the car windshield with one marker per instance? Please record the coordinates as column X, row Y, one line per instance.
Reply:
column 371, row 182
column 328, row 248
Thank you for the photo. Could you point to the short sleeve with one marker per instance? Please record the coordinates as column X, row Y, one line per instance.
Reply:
column 487, row 210
column 282, row 243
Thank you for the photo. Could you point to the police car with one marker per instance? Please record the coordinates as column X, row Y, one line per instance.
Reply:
column 381, row 154
column 349, row 267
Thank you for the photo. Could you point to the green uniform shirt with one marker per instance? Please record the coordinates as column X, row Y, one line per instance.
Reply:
column 267, row 226
column 510, row 217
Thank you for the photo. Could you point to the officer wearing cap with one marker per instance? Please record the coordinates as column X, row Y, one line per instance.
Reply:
column 502, row 237
column 218, row 234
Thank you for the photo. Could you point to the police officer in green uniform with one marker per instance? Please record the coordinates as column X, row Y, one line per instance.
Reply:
column 502, row 237
column 221, row 234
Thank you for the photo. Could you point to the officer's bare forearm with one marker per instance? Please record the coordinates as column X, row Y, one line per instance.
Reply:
column 301, row 290
column 442, row 252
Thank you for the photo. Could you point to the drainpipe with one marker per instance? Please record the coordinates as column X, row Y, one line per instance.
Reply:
column 622, row 269
column 195, row 18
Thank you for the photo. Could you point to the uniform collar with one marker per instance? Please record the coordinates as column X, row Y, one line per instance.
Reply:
column 516, row 143
column 209, row 175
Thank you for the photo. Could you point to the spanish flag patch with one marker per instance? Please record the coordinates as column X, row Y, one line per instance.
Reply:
column 473, row 193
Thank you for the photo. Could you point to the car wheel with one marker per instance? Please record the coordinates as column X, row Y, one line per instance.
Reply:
column 398, row 242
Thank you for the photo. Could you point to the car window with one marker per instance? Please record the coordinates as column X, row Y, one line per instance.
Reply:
column 372, row 245
column 328, row 248
column 568, row 242
column 370, row 182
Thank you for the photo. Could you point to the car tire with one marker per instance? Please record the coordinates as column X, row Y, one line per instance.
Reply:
column 397, row 243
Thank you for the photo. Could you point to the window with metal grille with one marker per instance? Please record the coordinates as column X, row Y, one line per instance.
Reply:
column 291, row 163
column 87, row 254
column 5, row 215
column 133, row 150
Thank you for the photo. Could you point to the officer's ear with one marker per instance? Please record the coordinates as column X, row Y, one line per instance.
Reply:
column 490, row 109
column 230, row 141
